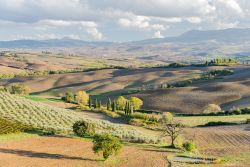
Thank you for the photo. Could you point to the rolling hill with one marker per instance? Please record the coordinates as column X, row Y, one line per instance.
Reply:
column 42, row 116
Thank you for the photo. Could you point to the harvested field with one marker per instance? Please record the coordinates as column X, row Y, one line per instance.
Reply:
column 221, row 141
column 112, row 83
column 69, row 152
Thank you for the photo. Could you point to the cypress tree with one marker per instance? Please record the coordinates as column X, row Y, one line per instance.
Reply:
column 90, row 103
column 96, row 103
column 126, row 108
column 100, row 104
column 109, row 105
column 114, row 106
column 129, row 108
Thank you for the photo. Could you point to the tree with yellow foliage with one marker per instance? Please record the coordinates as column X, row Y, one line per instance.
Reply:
column 82, row 98
column 136, row 102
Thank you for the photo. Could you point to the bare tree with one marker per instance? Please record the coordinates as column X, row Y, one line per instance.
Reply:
column 173, row 130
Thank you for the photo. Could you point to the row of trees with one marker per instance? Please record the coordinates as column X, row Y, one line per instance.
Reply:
column 16, row 89
column 121, row 103
column 220, row 61
column 126, row 105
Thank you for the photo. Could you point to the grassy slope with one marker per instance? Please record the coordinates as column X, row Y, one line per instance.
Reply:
column 44, row 116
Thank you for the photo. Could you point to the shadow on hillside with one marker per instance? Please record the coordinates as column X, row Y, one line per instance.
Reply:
column 69, row 86
column 33, row 154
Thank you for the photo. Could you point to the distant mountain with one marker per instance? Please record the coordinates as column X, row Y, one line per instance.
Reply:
column 65, row 42
column 232, row 35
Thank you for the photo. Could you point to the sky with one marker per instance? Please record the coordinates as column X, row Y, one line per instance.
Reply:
column 117, row 20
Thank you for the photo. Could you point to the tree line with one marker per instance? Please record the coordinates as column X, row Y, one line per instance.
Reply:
column 82, row 98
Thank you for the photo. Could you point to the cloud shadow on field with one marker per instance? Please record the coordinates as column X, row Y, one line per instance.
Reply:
column 34, row 154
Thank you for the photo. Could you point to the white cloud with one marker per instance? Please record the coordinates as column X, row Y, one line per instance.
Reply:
column 89, row 26
column 194, row 20
column 158, row 8
column 141, row 22
column 83, row 17
column 233, row 5
column 95, row 33
column 157, row 34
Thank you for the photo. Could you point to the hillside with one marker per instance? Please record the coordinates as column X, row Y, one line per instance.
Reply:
column 112, row 83
column 46, row 117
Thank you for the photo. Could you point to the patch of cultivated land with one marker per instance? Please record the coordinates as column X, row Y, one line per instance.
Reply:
column 231, row 143
column 71, row 152
column 112, row 83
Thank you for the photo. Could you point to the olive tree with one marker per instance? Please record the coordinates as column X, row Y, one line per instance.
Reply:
column 107, row 144
column 172, row 129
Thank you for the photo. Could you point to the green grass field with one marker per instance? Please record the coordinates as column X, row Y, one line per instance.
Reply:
column 192, row 121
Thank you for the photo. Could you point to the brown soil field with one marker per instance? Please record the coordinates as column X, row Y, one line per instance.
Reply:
column 223, row 142
column 102, row 81
column 112, row 82
column 71, row 152
column 196, row 96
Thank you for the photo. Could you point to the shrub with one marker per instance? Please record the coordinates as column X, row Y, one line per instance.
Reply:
column 83, row 107
column 139, row 116
column 211, row 108
column 107, row 144
column 167, row 117
column 18, row 89
column 236, row 111
column 176, row 65
column 219, row 123
column 69, row 97
column 82, row 128
column 47, row 133
column 189, row 146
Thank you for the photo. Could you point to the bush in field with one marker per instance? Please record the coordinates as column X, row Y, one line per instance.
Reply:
column 189, row 146
column 9, row 126
column 167, row 117
column 136, row 102
column 211, row 108
column 236, row 111
column 176, row 65
column 121, row 103
column 82, row 128
column 82, row 98
column 2, row 88
column 107, row 144
column 18, row 89
column 69, row 97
